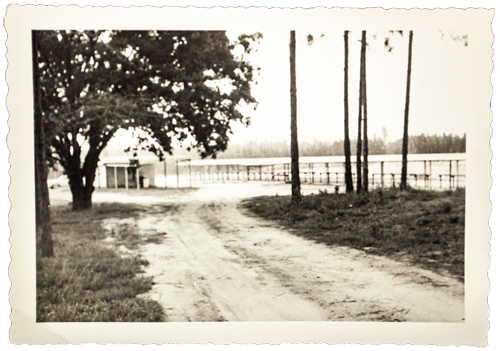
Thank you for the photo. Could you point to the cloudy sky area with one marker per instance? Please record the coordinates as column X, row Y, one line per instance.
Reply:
column 443, row 80
column 449, row 83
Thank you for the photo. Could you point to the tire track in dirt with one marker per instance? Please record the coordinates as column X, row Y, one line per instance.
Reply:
column 347, row 283
column 198, row 279
column 218, row 263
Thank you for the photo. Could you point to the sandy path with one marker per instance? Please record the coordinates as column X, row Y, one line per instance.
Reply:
column 218, row 263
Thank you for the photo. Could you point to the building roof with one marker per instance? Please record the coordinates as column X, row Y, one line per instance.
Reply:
column 124, row 160
column 326, row 159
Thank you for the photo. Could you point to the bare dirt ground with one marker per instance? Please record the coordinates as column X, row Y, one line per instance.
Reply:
column 218, row 263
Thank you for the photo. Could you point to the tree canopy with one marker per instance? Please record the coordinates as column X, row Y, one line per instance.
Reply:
column 176, row 86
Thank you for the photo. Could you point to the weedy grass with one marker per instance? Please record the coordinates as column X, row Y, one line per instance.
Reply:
column 424, row 227
column 86, row 281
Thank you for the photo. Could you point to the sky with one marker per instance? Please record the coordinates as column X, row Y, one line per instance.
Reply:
column 442, row 81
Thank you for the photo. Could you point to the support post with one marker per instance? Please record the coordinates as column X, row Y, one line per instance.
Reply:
column 430, row 175
column 190, row 184
column 137, row 178
column 126, row 177
column 425, row 174
column 116, row 178
column 449, row 175
column 165, row 172
column 327, row 173
column 177, row 172
column 382, row 173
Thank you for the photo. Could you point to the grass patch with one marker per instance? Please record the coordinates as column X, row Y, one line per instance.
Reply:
column 87, row 282
column 426, row 227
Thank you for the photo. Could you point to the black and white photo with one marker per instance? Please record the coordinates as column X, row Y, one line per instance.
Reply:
column 330, row 170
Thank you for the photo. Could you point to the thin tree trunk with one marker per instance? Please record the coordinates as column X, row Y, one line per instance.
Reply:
column 347, row 141
column 359, row 175
column 404, row 169
column 365, row 115
column 42, row 205
column 293, row 125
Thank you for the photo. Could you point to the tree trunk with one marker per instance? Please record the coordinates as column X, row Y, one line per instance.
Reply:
column 81, row 193
column 347, row 141
column 294, row 145
column 365, row 115
column 42, row 204
column 76, row 184
column 404, row 168
column 359, row 175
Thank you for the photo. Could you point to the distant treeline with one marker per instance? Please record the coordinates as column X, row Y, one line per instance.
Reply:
column 418, row 144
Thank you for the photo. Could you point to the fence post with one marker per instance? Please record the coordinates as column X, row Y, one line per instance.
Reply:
column 327, row 173
column 449, row 176
column 382, row 173
column 430, row 175
column 425, row 174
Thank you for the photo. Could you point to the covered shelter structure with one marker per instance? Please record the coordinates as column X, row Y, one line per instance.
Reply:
column 142, row 171
column 424, row 170
column 126, row 172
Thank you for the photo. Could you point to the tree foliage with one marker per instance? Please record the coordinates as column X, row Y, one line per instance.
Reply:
column 175, row 86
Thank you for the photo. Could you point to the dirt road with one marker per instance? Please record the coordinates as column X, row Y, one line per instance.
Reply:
column 218, row 263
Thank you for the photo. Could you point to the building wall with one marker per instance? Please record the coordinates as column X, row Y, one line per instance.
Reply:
column 148, row 171
column 160, row 174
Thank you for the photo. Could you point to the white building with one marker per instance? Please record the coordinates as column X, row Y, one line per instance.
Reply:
column 136, row 172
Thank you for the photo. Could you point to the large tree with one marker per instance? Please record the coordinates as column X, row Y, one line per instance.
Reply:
column 359, row 145
column 42, row 136
column 294, row 145
column 365, row 115
column 176, row 86
column 347, row 141
column 404, row 167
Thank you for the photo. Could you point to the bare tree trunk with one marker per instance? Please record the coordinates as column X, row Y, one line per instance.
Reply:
column 404, row 169
column 42, row 205
column 294, row 145
column 347, row 141
column 365, row 114
column 359, row 175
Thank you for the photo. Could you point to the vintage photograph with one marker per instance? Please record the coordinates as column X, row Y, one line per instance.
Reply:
column 255, row 175
column 248, row 176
